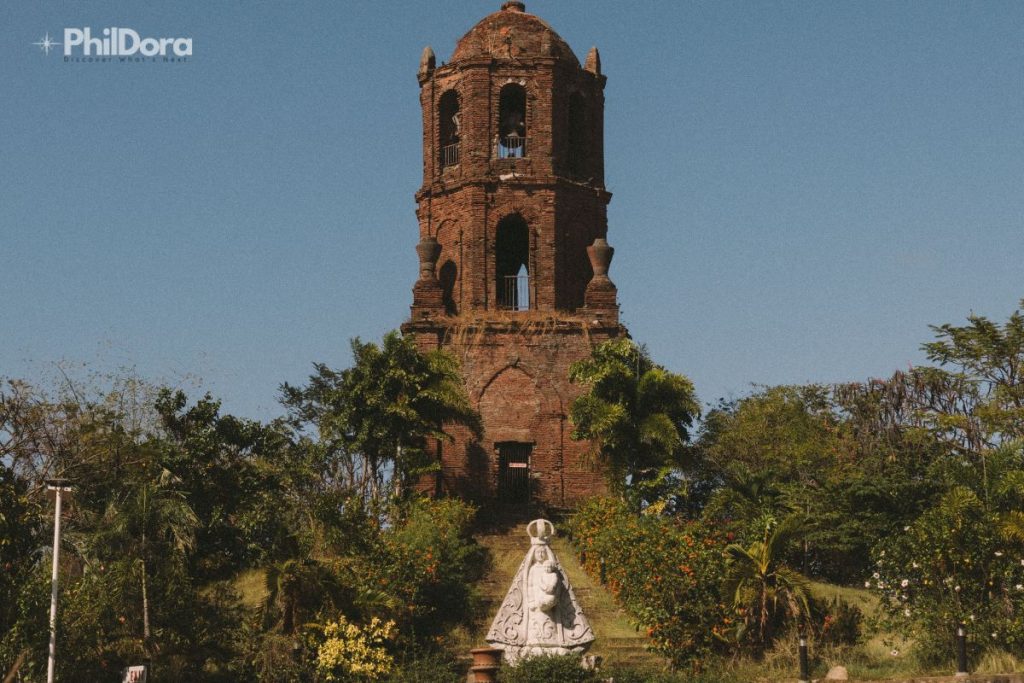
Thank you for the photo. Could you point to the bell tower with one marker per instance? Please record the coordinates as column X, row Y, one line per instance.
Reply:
column 513, row 258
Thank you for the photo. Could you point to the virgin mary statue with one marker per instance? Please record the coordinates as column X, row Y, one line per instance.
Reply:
column 540, row 614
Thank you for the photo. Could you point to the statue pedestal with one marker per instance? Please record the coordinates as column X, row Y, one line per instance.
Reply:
column 486, row 662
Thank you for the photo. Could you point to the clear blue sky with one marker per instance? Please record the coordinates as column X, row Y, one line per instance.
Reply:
column 799, row 188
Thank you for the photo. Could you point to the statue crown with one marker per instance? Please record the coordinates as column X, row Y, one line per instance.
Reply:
column 541, row 531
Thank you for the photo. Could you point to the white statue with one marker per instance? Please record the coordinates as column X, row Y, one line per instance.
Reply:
column 540, row 614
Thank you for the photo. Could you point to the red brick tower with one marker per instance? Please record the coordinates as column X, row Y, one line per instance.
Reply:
column 513, row 260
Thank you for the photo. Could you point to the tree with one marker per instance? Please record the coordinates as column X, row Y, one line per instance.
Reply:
column 772, row 453
column 297, row 588
column 762, row 587
column 151, row 522
column 21, row 533
column 786, row 429
column 245, row 481
column 990, row 357
column 376, row 420
column 960, row 560
column 637, row 413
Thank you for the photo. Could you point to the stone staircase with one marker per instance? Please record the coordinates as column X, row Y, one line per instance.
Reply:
column 618, row 641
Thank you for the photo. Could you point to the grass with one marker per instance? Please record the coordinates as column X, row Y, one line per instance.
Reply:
column 873, row 657
column 858, row 597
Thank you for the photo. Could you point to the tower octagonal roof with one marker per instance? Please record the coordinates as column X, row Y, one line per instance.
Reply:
column 510, row 34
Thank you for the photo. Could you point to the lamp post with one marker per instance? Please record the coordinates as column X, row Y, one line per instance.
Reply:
column 58, row 486
column 961, row 650
column 805, row 675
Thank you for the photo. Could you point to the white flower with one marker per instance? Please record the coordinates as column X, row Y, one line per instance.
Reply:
column 1020, row 586
column 972, row 617
column 957, row 589
column 895, row 653
column 906, row 612
column 875, row 575
column 881, row 554
column 994, row 634
column 867, row 584
column 904, row 583
column 906, row 528
column 915, row 565
column 999, row 553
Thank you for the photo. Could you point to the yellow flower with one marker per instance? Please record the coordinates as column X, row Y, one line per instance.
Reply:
column 353, row 651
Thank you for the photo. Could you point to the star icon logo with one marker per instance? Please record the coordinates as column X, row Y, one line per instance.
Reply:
column 46, row 44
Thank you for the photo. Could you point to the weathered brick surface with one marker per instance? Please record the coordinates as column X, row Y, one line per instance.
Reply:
column 515, row 363
column 517, row 377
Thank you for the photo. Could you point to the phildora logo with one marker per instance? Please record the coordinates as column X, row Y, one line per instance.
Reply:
column 117, row 44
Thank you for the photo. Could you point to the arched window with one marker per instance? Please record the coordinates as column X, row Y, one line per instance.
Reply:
column 448, row 128
column 512, row 258
column 512, row 122
column 448, row 276
column 577, row 134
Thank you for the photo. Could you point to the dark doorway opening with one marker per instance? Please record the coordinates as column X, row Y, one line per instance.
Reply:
column 512, row 255
column 514, row 472
column 577, row 135
column 512, row 122
column 449, row 128
column 448, row 276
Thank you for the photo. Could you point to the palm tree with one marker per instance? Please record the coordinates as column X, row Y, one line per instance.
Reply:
column 1013, row 525
column 297, row 588
column 746, row 495
column 148, row 520
column 378, row 419
column 637, row 413
column 765, row 590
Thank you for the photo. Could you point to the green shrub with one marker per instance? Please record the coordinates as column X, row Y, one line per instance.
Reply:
column 620, row 674
column 427, row 669
column 951, row 565
column 664, row 572
column 426, row 565
column 838, row 622
column 565, row 669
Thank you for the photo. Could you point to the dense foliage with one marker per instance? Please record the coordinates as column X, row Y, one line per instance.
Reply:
column 565, row 669
column 220, row 548
column 910, row 485
column 375, row 420
column 960, row 562
column 637, row 413
column 665, row 571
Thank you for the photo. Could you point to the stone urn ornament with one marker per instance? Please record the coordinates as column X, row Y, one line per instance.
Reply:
column 540, row 614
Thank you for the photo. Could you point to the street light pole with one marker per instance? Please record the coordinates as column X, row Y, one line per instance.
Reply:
column 961, row 650
column 805, row 675
column 58, row 486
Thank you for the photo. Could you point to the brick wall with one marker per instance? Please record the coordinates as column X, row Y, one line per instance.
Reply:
column 517, row 377
column 515, row 363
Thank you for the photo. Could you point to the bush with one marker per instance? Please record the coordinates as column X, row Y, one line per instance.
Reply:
column 427, row 669
column 664, row 572
column 426, row 565
column 949, row 566
column 838, row 622
column 627, row 675
column 565, row 669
